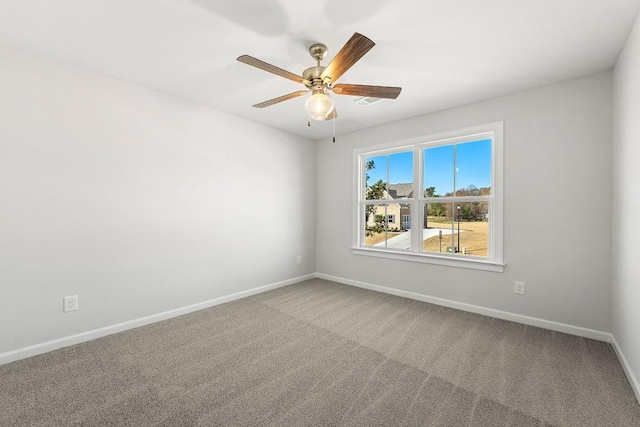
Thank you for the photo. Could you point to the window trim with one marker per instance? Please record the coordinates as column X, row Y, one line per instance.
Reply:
column 495, row 262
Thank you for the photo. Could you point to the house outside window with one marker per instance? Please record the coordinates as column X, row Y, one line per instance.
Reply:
column 449, row 184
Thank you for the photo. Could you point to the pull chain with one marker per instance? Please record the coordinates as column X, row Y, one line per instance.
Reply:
column 334, row 129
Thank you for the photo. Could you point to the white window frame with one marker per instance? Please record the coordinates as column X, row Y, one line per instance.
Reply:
column 495, row 259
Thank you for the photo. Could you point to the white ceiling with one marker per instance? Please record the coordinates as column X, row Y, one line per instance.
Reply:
column 443, row 53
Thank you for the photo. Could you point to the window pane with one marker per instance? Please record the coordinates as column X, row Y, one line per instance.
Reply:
column 401, row 175
column 473, row 168
column 375, row 177
column 437, row 233
column 473, row 222
column 438, row 171
column 375, row 225
column 384, row 227
column 400, row 234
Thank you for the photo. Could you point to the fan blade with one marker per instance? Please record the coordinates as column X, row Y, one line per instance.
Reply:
column 332, row 115
column 250, row 60
column 281, row 98
column 350, row 53
column 364, row 90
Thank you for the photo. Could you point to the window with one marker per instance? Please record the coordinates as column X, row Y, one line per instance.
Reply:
column 450, row 183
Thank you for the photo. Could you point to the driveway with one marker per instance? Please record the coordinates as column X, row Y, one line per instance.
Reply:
column 403, row 241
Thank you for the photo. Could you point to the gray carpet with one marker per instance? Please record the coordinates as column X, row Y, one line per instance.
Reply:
column 320, row 353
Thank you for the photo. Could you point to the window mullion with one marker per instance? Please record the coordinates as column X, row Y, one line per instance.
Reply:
column 455, row 170
column 416, row 211
column 387, row 179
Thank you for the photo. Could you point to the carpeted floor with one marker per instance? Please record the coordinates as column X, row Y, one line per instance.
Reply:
column 321, row 353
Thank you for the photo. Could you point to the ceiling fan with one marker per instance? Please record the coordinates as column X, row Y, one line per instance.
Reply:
column 320, row 80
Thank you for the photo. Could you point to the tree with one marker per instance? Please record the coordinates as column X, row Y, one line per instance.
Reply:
column 436, row 209
column 379, row 223
column 376, row 191
column 469, row 211
column 473, row 211
column 433, row 209
column 367, row 167
column 465, row 212
column 373, row 192
column 430, row 192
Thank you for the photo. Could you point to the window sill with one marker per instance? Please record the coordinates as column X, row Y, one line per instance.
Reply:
column 475, row 264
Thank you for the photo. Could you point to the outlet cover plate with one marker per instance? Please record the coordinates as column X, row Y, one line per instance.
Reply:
column 70, row 303
column 519, row 288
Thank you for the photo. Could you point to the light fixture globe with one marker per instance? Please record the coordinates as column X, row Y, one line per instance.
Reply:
column 319, row 105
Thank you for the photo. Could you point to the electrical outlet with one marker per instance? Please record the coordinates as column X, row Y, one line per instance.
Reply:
column 70, row 303
column 299, row 260
column 519, row 288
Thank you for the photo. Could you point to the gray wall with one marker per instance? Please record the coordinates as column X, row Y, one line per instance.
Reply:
column 557, row 206
column 626, row 202
column 136, row 201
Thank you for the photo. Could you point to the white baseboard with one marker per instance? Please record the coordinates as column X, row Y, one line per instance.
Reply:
column 34, row 350
column 504, row 315
column 633, row 380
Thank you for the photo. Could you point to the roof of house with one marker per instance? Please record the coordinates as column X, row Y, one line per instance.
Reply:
column 400, row 191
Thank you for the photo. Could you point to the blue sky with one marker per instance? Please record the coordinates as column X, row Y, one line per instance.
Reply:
column 473, row 163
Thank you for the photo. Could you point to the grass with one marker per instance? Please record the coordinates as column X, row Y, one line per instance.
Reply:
column 379, row 237
column 474, row 236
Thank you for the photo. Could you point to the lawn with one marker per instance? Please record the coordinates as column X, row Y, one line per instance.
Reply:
column 474, row 236
column 379, row 237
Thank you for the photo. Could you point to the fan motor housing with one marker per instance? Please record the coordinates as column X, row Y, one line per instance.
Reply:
column 312, row 74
